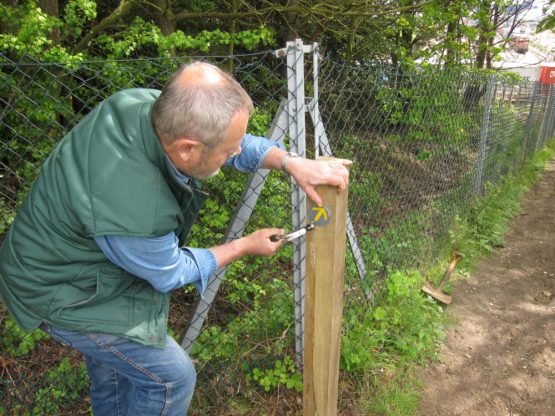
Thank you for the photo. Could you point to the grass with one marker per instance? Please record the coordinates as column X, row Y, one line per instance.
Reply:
column 398, row 397
column 389, row 384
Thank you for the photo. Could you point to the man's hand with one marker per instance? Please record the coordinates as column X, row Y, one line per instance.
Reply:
column 255, row 244
column 311, row 173
column 259, row 243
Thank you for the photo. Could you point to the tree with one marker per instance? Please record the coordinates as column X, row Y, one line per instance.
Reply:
column 117, row 29
column 492, row 17
column 446, row 32
column 548, row 22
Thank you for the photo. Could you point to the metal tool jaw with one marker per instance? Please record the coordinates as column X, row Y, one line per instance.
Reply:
column 294, row 235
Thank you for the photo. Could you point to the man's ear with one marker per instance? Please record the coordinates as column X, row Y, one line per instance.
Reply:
column 187, row 148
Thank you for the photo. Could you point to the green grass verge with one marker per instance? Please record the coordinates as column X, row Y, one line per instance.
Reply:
column 382, row 349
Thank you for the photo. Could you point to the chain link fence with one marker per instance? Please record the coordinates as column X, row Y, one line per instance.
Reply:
column 425, row 143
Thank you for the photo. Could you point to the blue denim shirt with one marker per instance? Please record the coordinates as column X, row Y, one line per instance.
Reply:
column 160, row 260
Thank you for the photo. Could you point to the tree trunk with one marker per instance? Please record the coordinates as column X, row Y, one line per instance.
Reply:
column 51, row 8
column 450, row 56
column 164, row 18
column 163, row 15
column 291, row 21
column 484, row 27
column 494, row 23
column 232, row 31
column 351, row 39
column 481, row 54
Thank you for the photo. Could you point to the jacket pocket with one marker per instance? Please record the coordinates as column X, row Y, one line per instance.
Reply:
column 110, row 303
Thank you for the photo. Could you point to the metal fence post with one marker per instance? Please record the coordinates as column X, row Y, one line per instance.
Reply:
column 548, row 122
column 528, row 128
column 488, row 102
column 297, row 138
column 236, row 227
column 551, row 128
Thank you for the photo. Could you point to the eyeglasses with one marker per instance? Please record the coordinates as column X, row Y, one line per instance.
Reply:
column 228, row 153
column 235, row 152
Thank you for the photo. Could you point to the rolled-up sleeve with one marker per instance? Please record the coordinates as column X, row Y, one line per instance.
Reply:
column 160, row 260
column 253, row 152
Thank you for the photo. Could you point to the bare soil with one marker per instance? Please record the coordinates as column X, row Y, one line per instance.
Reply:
column 499, row 356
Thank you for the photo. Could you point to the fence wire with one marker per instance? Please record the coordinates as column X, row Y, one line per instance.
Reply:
column 425, row 143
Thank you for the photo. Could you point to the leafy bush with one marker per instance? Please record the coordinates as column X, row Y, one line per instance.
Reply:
column 19, row 342
column 410, row 321
column 283, row 373
column 6, row 217
column 405, row 326
column 423, row 104
column 245, row 336
column 65, row 384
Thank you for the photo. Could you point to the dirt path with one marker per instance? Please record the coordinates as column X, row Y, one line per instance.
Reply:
column 499, row 357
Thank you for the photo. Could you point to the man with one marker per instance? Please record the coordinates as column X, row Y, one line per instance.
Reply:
column 99, row 241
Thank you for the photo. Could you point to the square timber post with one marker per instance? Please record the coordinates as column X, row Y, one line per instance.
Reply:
column 325, row 269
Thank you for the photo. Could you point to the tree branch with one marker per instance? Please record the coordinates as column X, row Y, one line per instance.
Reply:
column 123, row 7
column 302, row 11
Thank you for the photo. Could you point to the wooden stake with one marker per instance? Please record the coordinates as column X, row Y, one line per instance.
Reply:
column 325, row 268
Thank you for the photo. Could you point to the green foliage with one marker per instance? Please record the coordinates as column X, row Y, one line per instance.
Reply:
column 78, row 14
column 273, row 305
column 259, row 122
column 208, row 231
column 397, row 246
column 423, row 103
column 282, row 374
column 19, row 342
column 392, row 394
column 6, row 216
column 366, row 190
column 145, row 38
column 483, row 229
column 548, row 21
column 47, row 38
column 406, row 326
column 29, row 32
column 66, row 384
column 34, row 123
column 245, row 339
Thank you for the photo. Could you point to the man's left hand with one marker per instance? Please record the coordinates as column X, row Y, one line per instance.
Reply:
column 311, row 173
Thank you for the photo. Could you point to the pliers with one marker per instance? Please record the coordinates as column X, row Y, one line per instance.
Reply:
column 294, row 235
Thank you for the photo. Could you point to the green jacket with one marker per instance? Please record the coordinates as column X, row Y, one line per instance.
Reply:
column 108, row 176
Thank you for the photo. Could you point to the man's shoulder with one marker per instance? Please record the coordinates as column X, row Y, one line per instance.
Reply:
column 133, row 95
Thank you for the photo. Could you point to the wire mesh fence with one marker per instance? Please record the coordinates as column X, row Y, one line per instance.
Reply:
column 425, row 143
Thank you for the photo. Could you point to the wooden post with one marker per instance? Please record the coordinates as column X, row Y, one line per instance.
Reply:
column 325, row 268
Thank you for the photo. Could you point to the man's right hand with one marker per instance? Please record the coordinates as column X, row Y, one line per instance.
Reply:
column 260, row 244
column 255, row 244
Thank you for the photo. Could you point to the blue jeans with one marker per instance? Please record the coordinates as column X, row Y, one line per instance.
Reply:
column 128, row 378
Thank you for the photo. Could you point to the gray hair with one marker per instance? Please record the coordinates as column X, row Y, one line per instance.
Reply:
column 197, row 109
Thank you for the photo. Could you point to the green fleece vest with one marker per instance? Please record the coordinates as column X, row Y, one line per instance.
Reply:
column 108, row 176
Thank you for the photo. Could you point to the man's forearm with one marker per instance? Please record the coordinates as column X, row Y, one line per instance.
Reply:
column 228, row 252
column 274, row 158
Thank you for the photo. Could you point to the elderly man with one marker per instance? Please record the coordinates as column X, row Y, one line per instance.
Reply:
column 100, row 240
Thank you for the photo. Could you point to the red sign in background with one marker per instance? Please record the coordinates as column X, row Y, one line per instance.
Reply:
column 547, row 74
